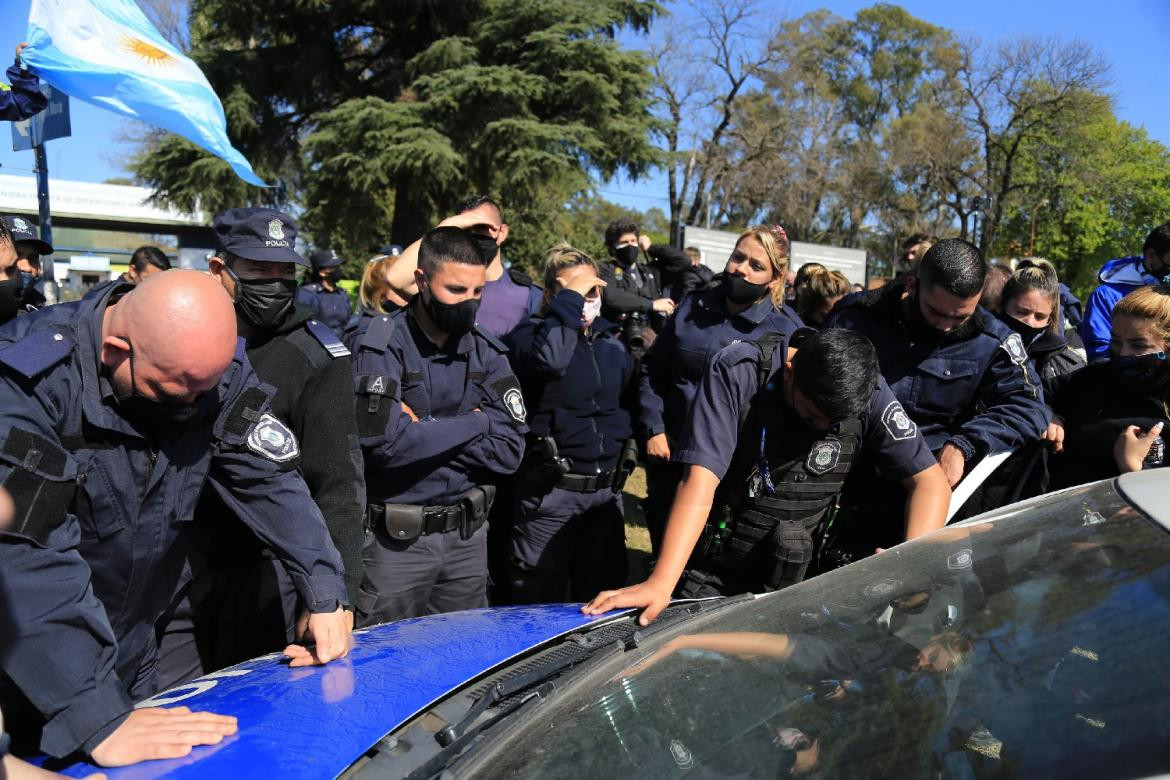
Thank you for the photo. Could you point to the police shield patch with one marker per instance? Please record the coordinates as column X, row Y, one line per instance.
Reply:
column 270, row 438
column 20, row 225
column 1014, row 346
column 514, row 403
column 823, row 456
column 898, row 424
column 276, row 229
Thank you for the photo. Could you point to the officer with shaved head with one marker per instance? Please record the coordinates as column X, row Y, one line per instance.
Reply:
column 115, row 412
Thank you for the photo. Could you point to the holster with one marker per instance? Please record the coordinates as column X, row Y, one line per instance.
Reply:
column 403, row 522
column 538, row 479
column 477, row 504
column 627, row 462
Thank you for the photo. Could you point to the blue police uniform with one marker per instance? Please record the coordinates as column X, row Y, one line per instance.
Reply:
column 979, row 393
column 427, row 482
column 24, row 98
column 329, row 306
column 92, row 559
column 675, row 365
column 775, row 470
column 1118, row 278
column 570, row 531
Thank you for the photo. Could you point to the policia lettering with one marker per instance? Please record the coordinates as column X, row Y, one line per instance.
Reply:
column 779, row 495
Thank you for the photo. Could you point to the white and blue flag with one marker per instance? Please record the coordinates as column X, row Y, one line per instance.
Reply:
column 108, row 53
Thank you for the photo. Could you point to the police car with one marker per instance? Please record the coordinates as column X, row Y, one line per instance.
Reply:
column 1028, row 641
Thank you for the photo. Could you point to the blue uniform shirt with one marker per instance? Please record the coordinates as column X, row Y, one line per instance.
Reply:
column 732, row 380
column 1118, row 278
column 980, row 393
column 92, row 560
column 24, row 98
column 453, row 447
column 574, row 383
column 332, row 308
column 682, row 353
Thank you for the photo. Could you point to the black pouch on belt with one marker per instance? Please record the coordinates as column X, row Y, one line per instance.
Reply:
column 627, row 462
column 791, row 554
column 403, row 522
column 477, row 503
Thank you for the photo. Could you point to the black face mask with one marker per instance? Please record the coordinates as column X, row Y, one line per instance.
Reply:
column 264, row 303
column 158, row 415
column 626, row 255
column 488, row 249
column 334, row 275
column 10, row 290
column 1139, row 372
column 739, row 290
column 1028, row 333
column 925, row 333
column 454, row 319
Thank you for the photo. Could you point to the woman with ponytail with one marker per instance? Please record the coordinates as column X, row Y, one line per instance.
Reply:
column 1030, row 305
column 818, row 292
column 1113, row 413
column 747, row 303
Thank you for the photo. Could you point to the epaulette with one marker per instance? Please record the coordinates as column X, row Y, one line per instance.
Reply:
column 495, row 342
column 324, row 334
column 39, row 350
column 377, row 336
column 522, row 279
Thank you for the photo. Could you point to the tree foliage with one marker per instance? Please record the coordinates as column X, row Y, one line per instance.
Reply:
column 378, row 117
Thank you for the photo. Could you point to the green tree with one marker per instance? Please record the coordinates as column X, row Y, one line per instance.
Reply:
column 378, row 117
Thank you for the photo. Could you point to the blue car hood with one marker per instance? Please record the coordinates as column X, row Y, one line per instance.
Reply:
column 314, row 722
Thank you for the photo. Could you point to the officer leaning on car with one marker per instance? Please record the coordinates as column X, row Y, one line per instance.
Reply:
column 328, row 302
column 775, row 428
column 243, row 601
column 115, row 411
column 439, row 416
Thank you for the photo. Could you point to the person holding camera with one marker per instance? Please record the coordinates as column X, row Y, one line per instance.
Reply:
column 569, row 533
column 748, row 302
column 635, row 295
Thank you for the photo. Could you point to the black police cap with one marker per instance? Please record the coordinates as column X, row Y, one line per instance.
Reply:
column 265, row 235
column 22, row 230
column 325, row 258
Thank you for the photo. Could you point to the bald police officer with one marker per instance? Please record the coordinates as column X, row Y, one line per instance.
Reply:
column 774, row 431
column 243, row 600
column 115, row 411
column 440, row 415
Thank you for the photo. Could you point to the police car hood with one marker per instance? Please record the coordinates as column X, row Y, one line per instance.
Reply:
column 314, row 722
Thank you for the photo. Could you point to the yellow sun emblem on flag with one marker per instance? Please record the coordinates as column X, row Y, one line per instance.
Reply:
column 147, row 52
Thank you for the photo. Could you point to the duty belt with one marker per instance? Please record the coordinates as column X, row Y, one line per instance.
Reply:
column 396, row 519
column 580, row 483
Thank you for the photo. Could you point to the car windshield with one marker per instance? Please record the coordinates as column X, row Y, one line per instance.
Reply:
column 1034, row 640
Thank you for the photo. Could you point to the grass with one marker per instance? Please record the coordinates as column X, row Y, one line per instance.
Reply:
column 637, row 537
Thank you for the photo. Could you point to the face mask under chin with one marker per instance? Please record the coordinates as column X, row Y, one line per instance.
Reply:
column 924, row 332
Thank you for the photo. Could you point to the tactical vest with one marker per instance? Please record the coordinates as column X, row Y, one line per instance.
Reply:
column 781, row 484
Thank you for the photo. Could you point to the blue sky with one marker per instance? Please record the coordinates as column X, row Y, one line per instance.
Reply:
column 1132, row 35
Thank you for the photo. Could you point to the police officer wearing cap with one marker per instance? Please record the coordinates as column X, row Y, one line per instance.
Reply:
column 440, row 416
column 24, row 275
column 328, row 302
column 115, row 412
column 635, row 294
column 569, row 535
column 776, row 426
column 961, row 375
column 242, row 602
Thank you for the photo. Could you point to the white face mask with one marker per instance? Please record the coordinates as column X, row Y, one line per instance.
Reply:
column 591, row 310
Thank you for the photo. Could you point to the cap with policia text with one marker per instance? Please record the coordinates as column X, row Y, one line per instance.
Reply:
column 259, row 234
column 22, row 230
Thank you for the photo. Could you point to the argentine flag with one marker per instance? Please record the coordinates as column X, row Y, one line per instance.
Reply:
column 107, row 53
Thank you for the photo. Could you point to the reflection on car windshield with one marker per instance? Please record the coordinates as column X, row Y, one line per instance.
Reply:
column 1034, row 642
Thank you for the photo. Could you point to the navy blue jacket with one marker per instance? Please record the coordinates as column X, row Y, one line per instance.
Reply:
column 682, row 354
column 332, row 308
column 573, row 383
column 24, row 98
column 93, row 557
column 980, row 393
column 453, row 447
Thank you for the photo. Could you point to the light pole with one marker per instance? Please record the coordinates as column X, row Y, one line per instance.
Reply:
column 1032, row 240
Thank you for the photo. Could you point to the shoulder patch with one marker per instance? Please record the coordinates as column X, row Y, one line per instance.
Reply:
column 377, row 336
column 324, row 334
column 512, row 398
column 1014, row 346
column 897, row 423
column 271, row 439
column 38, row 351
column 495, row 342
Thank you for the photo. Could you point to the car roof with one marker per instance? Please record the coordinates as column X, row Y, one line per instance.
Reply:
column 1149, row 491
